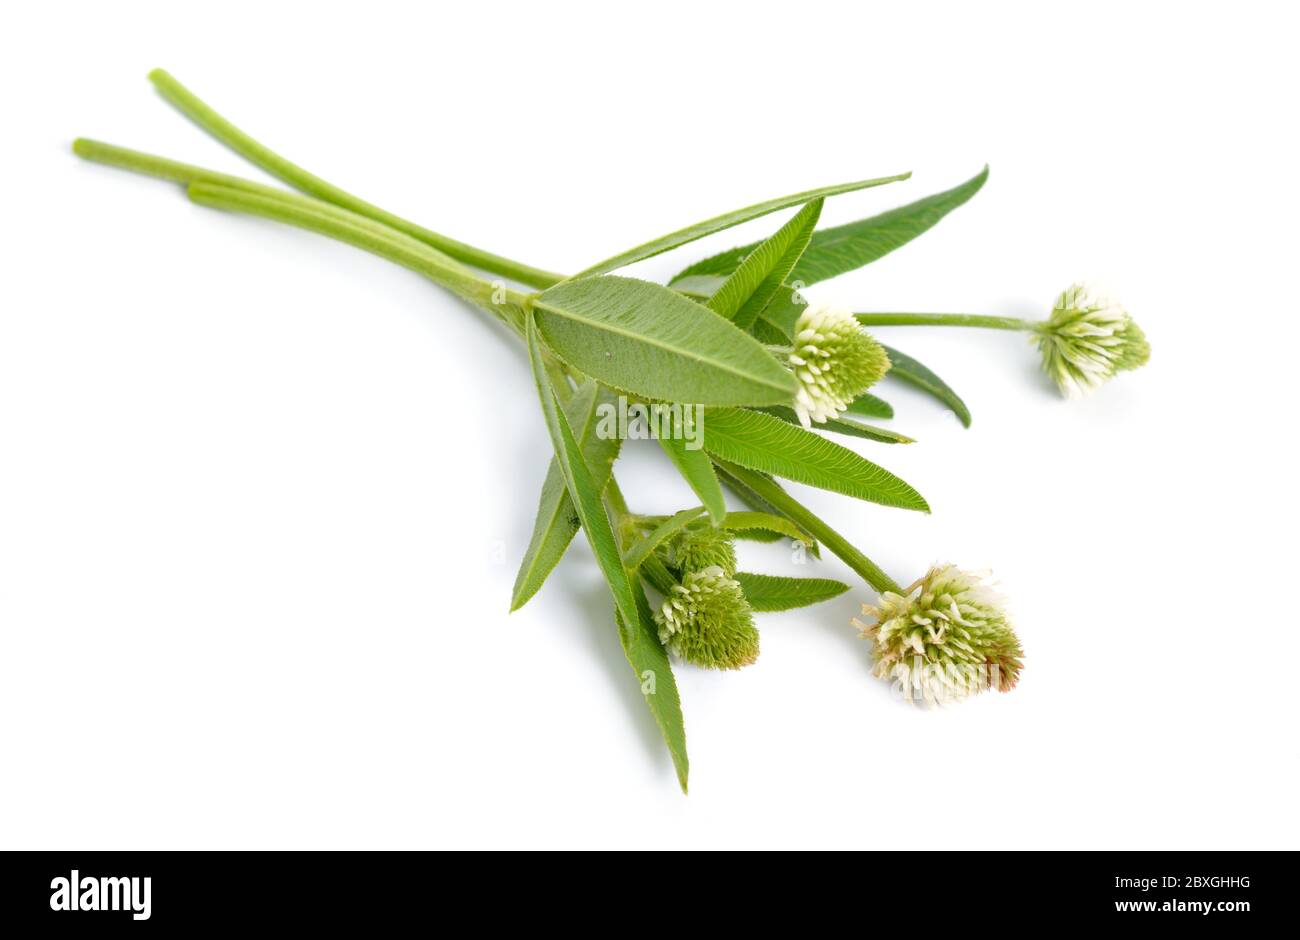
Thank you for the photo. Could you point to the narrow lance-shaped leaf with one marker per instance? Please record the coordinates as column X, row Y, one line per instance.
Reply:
column 697, row 470
column 869, row 406
column 783, row 311
column 768, row 444
column 837, row 250
column 557, row 521
column 727, row 220
column 775, row 323
column 748, row 290
column 699, row 287
column 649, row 661
column 762, row 526
column 767, row 334
column 657, row 344
column 767, row 592
column 845, row 426
column 636, row 630
column 909, row 370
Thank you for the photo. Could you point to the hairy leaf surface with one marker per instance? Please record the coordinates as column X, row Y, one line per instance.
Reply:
column 637, row 631
column 767, row 592
column 655, row 343
column 768, row 444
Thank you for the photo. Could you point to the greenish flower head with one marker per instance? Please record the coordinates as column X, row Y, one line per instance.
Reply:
column 835, row 361
column 1087, row 339
column 706, row 621
column 707, row 547
column 947, row 638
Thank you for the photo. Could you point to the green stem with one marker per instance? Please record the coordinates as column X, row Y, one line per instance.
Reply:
column 328, row 220
column 771, row 493
column 652, row 570
column 616, row 501
column 227, row 133
column 945, row 319
column 223, row 191
column 148, row 164
column 656, row 574
column 647, row 522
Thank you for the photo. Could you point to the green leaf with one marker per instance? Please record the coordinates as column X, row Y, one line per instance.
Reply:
column 762, row 507
column 768, row 444
column 749, row 289
column 767, row 592
column 768, row 527
column 767, row 334
column 636, row 628
column 655, row 343
column 698, row 287
column 557, row 521
column 775, row 323
column 903, row 366
column 675, row 523
column 727, row 220
column 697, row 470
column 844, row 426
column 783, row 311
column 649, row 661
column 834, row 251
column 869, row 406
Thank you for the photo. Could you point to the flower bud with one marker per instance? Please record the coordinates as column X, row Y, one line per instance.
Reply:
column 707, row 547
column 706, row 621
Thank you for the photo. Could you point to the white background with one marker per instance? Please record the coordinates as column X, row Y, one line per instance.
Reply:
column 262, row 496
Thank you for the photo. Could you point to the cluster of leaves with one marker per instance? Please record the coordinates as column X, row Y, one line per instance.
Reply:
column 700, row 341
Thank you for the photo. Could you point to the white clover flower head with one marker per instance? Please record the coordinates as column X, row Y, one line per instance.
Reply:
column 706, row 621
column 835, row 361
column 945, row 639
column 1087, row 339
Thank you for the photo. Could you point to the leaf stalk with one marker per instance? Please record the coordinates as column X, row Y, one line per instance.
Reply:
column 946, row 319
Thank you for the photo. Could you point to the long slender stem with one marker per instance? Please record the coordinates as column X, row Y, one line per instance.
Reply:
column 327, row 220
column 148, row 164
column 227, row 133
column 616, row 502
column 772, row 493
column 221, row 190
column 945, row 319
column 214, row 189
